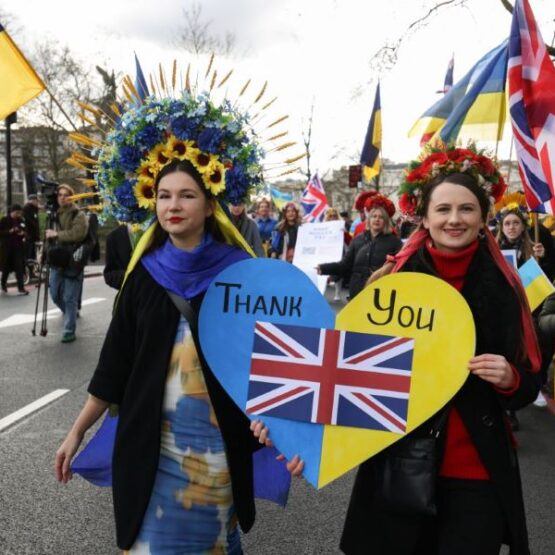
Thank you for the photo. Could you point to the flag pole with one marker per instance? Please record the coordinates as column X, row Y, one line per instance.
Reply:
column 60, row 108
column 500, row 122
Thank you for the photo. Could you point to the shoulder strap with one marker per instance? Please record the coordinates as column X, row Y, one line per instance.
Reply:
column 184, row 306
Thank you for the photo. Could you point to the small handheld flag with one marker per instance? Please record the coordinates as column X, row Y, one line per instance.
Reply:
column 535, row 282
column 314, row 201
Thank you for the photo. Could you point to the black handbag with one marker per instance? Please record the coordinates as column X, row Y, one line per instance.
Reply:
column 407, row 471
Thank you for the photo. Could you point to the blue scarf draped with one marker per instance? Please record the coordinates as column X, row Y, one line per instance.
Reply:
column 188, row 274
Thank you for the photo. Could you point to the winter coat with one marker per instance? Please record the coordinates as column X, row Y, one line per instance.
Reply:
column 118, row 255
column 364, row 255
column 132, row 372
column 249, row 230
column 72, row 224
column 496, row 312
column 12, row 245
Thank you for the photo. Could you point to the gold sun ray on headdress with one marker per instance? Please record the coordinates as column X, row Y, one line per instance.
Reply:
column 209, row 129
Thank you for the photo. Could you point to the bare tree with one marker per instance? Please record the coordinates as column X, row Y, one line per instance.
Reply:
column 52, row 114
column 386, row 56
column 197, row 37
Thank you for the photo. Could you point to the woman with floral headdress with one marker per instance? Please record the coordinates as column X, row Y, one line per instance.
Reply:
column 368, row 250
column 478, row 495
column 182, row 463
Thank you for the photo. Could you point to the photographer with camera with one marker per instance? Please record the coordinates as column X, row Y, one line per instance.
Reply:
column 66, row 259
column 12, row 248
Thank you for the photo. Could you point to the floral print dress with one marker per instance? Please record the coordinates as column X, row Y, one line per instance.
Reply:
column 191, row 505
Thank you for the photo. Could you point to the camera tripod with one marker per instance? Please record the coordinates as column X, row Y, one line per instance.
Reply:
column 43, row 280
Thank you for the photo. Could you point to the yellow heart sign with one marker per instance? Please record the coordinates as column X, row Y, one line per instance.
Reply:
column 436, row 315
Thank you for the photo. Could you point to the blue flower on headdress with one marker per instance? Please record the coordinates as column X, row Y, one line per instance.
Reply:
column 125, row 195
column 149, row 136
column 236, row 183
column 185, row 128
column 210, row 139
column 129, row 157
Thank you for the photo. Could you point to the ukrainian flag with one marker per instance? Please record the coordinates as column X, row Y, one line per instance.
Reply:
column 474, row 108
column 19, row 82
column 280, row 199
column 370, row 156
column 535, row 282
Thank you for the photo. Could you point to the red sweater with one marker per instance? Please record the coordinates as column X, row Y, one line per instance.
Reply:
column 460, row 459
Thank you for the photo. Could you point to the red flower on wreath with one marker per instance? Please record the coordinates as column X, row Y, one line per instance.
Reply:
column 408, row 204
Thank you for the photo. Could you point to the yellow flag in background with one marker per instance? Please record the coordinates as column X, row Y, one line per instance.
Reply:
column 18, row 81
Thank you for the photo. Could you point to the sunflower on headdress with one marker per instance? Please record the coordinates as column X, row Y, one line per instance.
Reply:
column 145, row 195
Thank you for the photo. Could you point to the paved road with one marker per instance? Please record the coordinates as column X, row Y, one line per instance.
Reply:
column 39, row 516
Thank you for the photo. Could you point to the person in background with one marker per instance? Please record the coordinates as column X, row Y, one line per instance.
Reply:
column 66, row 283
column 284, row 237
column 119, row 247
column 478, row 492
column 368, row 250
column 513, row 233
column 265, row 223
column 13, row 238
column 359, row 224
column 31, row 218
column 333, row 215
column 247, row 228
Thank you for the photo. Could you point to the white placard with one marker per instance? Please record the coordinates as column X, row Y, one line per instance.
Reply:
column 318, row 243
column 510, row 257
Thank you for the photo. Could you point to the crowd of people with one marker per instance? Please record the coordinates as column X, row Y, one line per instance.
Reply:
column 193, row 487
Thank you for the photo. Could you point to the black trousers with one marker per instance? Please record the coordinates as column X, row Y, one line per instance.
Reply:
column 469, row 521
column 15, row 261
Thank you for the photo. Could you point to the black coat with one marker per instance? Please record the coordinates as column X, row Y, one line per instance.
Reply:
column 118, row 255
column 496, row 312
column 132, row 372
column 363, row 257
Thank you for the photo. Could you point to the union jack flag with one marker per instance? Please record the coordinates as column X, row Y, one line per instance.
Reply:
column 330, row 376
column 532, row 107
column 314, row 201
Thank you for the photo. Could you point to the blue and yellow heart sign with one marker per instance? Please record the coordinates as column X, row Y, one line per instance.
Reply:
column 335, row 390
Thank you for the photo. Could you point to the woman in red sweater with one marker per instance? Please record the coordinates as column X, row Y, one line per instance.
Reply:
column 478, row 495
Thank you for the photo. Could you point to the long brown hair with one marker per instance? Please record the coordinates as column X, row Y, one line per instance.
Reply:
column 160, row 235
column 283, row 224
column 526, row 244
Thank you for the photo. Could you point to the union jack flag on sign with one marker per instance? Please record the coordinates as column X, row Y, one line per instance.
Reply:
column 532, row 107
column 330, row 376
column 314, row 201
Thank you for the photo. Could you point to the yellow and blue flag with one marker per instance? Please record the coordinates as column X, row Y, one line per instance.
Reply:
column 535, row 282
column 279, row 198
column 370, row 156
column 474, row 108
column 19, row 81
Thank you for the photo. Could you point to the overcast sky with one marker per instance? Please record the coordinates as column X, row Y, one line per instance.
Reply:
column 308, row 50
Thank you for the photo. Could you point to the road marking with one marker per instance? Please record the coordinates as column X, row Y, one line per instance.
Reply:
column 18, row 319
column 7, row 421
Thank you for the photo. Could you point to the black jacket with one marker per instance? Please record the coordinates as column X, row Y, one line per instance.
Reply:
column 118, row 255
column 131, row 372
column 363, row 257
column 495, row 308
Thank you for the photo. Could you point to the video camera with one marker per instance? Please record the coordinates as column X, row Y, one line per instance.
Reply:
column 49, row 190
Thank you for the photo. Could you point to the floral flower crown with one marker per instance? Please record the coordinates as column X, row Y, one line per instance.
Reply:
column 149, row 133
column 380, row 201
column 446, row 159
column 512, row 203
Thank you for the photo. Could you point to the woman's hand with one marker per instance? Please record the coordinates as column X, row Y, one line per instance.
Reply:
column 538, row 250
column 64, row 455
column 260, row 431
column 493, row 369
column 295, row 466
